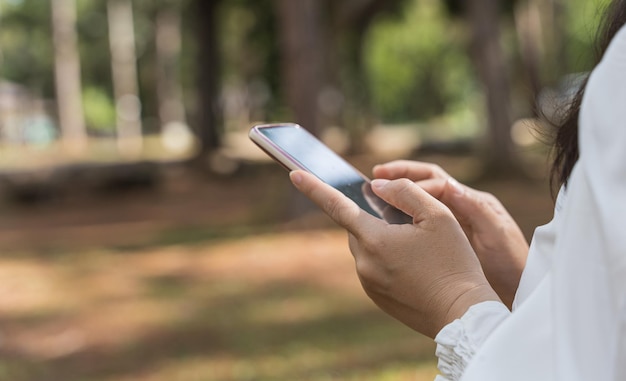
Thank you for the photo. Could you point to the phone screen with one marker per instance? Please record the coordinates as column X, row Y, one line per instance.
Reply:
column 310, row 154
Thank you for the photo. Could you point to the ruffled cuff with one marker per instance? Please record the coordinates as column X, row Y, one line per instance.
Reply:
column 458, row 341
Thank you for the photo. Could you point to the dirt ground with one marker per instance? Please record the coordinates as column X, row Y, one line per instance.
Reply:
column 184, row 206
column 204, row 278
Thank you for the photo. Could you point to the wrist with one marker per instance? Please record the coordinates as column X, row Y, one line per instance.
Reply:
column 472, row 295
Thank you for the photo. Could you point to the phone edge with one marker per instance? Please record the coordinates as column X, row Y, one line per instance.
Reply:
column 285, row 160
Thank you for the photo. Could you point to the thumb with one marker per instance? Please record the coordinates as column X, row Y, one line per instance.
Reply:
column 405, row 195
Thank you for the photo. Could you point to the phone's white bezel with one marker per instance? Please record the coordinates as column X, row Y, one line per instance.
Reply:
column 278, row 154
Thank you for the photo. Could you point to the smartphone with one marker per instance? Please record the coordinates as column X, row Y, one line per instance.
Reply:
column 294, row 147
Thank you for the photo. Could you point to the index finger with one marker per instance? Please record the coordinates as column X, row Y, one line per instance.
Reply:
column 412, row 170
column 339, row 208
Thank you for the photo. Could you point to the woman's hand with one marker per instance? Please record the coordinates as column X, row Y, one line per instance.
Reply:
column 494, row 235
column 424, row 274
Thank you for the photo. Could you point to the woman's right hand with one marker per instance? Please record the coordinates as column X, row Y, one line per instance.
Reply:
column 497, row 240
column 423, row 273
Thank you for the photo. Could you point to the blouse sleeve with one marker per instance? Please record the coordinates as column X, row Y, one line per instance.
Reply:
column 458, row 341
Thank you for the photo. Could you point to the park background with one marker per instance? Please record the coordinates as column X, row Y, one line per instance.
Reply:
column 143, row 237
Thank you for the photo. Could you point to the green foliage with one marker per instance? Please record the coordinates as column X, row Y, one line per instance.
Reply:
column 99, row 110
column 27, row 54
column 417, row 65
column 93, row 43
column 416, row 62
column 582, row 23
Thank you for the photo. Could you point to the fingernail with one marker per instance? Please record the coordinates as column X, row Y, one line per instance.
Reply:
column 379, row 183
column 457, row 188
column 296, row 178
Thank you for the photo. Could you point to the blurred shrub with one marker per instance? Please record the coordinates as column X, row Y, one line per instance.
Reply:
column 99, row 110
column 418, row 66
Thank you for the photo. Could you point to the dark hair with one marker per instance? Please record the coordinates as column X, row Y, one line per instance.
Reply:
column 566, row 140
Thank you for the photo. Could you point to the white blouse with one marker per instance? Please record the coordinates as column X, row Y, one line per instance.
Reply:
column 569, row 315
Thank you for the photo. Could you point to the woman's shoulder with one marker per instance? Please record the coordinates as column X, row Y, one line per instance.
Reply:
column 603, row 115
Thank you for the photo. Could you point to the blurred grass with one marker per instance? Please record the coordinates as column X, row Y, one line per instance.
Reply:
column 267, row 307
column 98, row 150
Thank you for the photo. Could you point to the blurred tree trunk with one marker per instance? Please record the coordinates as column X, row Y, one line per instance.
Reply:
column 125, row 83
column 528, row 25
column 168, row 44
column 540, row 27
column 67, row 74
column 322, row 55
column 556, row 11
column 352, row 19
column 302, row 55
column 488, row 58
column 302, row 52
column 208, row 118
